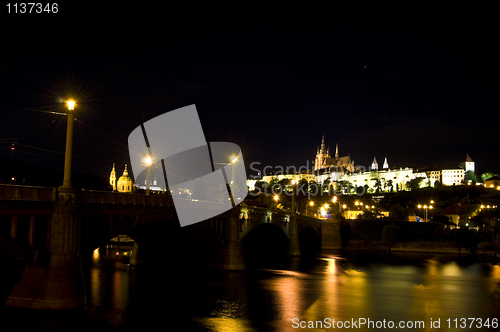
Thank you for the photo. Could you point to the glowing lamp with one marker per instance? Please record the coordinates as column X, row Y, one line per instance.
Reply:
column 70, row 104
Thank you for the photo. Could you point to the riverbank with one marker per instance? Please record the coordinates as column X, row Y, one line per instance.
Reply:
column 447, row 247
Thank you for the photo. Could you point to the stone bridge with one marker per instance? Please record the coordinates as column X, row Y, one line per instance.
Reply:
column 45, row 231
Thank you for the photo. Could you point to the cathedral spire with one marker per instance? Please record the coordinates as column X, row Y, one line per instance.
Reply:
column 374, row 164
column 336, row 151
column 112, row 177
column 386, row 164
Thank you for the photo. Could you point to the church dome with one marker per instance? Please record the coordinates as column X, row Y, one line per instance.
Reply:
column 125, row 182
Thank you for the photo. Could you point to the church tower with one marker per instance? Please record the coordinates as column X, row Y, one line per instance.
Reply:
column 469, row 164
column 386, row 164
column 125, row 182
column 374, row 165
column 112, row 178
column 321, row 155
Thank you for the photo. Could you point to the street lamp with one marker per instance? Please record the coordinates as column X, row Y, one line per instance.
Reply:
column 293, row 196
column 311, row 203
column 149, row 161
column 425, row 207
column 68, row 157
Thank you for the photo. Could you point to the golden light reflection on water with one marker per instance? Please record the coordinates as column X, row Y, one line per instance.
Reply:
column 432, row 267
column 226, row 324
column 102, row 287
column 335, row 288
column 288, row 292
column 495, row 272
column 452, row 269
column 95, row 255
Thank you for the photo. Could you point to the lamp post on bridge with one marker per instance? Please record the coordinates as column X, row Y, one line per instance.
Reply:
column 68, row 157
column 149, row 161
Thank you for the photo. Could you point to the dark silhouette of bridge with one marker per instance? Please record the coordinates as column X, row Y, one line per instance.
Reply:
column 45, row 232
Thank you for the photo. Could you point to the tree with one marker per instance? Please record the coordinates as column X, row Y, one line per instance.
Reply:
column 414, row 184
column 465, row 212
column 285, row 182
column 397, row 212
column 389, row 185
column 275, row 185
column 389, row 234
column 377, row 185
column 470, row 176
column 326, row 185
column 486, row 175
column 366, row 215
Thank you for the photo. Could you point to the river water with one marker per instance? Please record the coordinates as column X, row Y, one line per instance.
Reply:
column 424, row 291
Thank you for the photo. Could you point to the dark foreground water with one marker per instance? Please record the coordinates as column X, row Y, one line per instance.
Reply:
column 421, row 290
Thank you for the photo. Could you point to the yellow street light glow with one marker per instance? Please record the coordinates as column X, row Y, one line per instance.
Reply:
column 276, row 197
column 425, row 206
column 419, row 206
column 357, row 203
column 71, row 104
column 432, row 202
column 322, row 209
column 482, row 206
column 334, row 199
column 373, row 206
column 344, row 206
column 148, row 160
column 311, row 203
column 431, row 207
column 326, row 206
column 293, row 182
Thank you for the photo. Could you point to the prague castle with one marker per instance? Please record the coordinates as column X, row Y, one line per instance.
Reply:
column 335, row 169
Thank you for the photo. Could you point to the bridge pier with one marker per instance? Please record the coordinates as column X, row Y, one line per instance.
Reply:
column 233, row 252
column 330, row 235
column 61, row 286
column 293, row 235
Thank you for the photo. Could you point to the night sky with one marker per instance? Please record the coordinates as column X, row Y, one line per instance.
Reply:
column 417, row 85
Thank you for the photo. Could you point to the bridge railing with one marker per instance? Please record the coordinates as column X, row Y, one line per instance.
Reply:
column 93, row 196
column 27, row 193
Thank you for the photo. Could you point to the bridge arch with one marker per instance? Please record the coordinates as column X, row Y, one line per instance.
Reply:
column 265, row 239
column 309, row 240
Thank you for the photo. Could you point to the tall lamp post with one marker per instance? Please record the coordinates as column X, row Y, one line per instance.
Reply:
column 68, row 158
column 149, row 162
column 425, row 207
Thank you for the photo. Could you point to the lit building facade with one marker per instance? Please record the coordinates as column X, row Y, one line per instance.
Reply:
column 124, row 183
column 386, row 179
column 452, row 176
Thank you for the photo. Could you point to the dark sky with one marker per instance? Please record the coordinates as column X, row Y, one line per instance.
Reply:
column 417, row 85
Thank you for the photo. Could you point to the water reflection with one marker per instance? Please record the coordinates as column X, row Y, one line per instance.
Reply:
column 417, row 287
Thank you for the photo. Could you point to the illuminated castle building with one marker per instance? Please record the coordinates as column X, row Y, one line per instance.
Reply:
column 323, row 159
